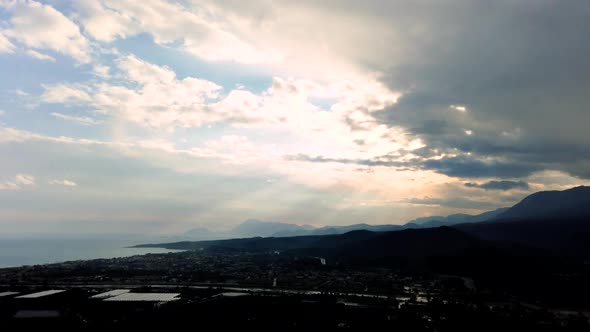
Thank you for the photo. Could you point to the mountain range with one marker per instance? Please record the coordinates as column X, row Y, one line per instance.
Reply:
column 552, row 221
column 254, row 227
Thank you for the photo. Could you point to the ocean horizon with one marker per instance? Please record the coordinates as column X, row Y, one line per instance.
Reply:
column 34, row 251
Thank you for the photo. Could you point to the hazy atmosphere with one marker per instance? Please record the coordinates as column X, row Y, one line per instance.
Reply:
column 156, row 117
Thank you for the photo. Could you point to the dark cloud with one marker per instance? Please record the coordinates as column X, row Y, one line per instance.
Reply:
column 431, row 127
column 461, row 167
column 499, row 185
column 523, row 72
column 363, row 162
column 359, row 142
column 467, row 167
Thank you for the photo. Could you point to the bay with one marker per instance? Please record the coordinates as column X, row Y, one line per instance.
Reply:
column 31, row 251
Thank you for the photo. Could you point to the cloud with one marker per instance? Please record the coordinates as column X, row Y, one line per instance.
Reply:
column 5, row 45
column 217, row 181
column 457, row 74
column 103, row 22
column 466, row 84
column 499, row 185
column 153, row 97
column 21, row 93
column 519, row 108
column 122, row 183
column 40, row 56
column 41, row 26
column 468, row 167
column 65, row 94
column 83, row 120
column 24, row 180
column 20, row 181
column 64, row 182
column 459, row 108
column 195, row 31
column 453, row 166
column 455, row 203
column 156, row 98
column 386, row 162
column 101, row 71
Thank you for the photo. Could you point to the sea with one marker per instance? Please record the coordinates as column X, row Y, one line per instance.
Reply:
column 31, row 251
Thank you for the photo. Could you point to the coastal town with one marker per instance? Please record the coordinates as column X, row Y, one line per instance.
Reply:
column 259, row 289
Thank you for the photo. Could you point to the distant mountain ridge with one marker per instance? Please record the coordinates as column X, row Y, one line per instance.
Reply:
column 424, row 222
column 329, row 230
column 554, row 221
column 573, row 202
column 255, row 227
column 248, row 228
column 454, row 219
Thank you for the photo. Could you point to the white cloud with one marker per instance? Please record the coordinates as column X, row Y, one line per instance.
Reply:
column 21, row 93
column 196, row 32
column 12, row 135
column 40, row 26
column 102, row 22
column 24, row 180
column 293, row 39
column 143, row 72
column 101, row 71
column 83, row 120
column 65, row 94
column 154, row 97
column 459, row 108
column 64, row 182
column 20, row 181
column 40, row 56
column 8, row 185
column 5, row 45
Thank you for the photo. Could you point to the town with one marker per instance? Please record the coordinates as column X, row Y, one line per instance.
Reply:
column 261, row 290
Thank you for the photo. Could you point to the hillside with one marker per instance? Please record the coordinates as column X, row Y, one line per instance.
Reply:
column 571, row 203
column 553, row 220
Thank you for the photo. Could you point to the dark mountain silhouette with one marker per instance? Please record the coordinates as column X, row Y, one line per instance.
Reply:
column 454, row 219
column 413, row 242
column 574, row 202
column 330, row 230
column 274, row 243
column 425, row 222
column 556, row 221
column 361, row 243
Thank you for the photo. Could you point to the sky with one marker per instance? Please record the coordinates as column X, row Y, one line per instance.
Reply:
column 155, row 116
